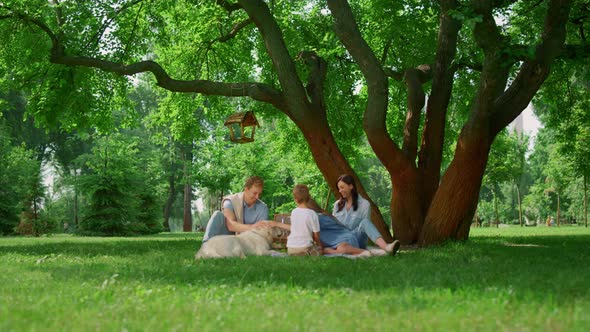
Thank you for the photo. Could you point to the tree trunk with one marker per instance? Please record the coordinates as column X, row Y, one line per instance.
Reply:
column 332, row 164
column 455, row 202
column 35, row 217
column 76, row 199
column 585, row 202
column 558, row 209
column 169, row 201
column 431, row 151
column 407, row 217
column 187, row 225
column 496, row 217
column 519, row 206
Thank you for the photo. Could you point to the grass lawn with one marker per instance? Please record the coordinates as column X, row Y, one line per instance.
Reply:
column 508, row 279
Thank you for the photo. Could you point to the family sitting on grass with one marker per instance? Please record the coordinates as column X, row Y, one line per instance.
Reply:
column 313, row 231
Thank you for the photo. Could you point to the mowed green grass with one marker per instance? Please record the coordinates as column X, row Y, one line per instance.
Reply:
column 507, row 279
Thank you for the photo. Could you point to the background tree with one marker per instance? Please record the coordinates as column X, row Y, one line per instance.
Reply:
column 118, row 185
column 537, row 203
column 564, row 105
column 21, row 188
column 557, row 178
column 506, row 164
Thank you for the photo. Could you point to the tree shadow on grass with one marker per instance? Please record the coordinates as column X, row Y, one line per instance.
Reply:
column 536, row 266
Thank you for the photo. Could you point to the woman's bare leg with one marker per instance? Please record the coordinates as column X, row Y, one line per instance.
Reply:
column 330, row 251
column 345, row 248
column 381, row 243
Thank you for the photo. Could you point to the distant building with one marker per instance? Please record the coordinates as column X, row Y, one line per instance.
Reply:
column 517, row 125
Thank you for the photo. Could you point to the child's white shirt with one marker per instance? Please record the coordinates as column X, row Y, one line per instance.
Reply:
column 304, row 222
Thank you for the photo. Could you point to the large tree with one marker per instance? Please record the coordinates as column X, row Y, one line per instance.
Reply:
column 285, row 54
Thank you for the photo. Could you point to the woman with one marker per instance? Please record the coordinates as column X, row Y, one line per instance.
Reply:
column 335, row 237
column 354, row 212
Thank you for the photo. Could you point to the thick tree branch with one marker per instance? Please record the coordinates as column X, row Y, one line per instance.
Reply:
column 487, row 34
column 414, row 79
column 291, row 85
column 430, row 156
column 234, row 31
column 534, row 71
column 315, row 80
column 375, row 127
column 495, row 70
column 225, row 37
column 396, row 75
column 461, row 65
column 230, row 7
column 256, row 91
column 375, row 114
column 575, row 52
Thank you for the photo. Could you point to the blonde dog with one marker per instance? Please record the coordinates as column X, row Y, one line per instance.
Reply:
column 255, row 242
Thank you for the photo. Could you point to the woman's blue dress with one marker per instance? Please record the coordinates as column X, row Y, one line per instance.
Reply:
column 333, row 233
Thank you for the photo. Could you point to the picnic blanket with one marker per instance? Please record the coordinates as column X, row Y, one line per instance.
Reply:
column 275, row 253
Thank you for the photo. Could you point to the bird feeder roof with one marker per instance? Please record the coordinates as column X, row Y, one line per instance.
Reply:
column 244, row 118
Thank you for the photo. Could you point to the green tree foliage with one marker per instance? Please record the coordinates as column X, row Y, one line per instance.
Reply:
column 8, row 191
column 564, row 105
column 506, row 165
column 20, row 125
column 21, row 189
column 557, row 190
column 537, row 202
column 120, row 188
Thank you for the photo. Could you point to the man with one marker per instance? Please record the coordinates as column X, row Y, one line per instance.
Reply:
column 241, row 212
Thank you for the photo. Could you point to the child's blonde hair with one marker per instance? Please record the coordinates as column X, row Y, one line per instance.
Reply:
column 301, row 193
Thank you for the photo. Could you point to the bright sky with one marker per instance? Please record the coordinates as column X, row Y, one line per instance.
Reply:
column 530, row 125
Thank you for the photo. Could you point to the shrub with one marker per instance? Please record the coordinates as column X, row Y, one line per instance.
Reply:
column 20, row 183
column 122, row 194
column 29, row 225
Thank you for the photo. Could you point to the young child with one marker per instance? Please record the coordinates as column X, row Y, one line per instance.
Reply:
column 304, row 239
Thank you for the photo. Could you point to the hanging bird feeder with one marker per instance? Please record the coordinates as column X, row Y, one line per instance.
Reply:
column 241, row 127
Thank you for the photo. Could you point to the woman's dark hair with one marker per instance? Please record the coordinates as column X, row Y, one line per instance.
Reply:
column 348, row 179
column 312, row 204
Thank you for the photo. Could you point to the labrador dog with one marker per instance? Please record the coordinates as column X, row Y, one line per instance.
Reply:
column 255, row 242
